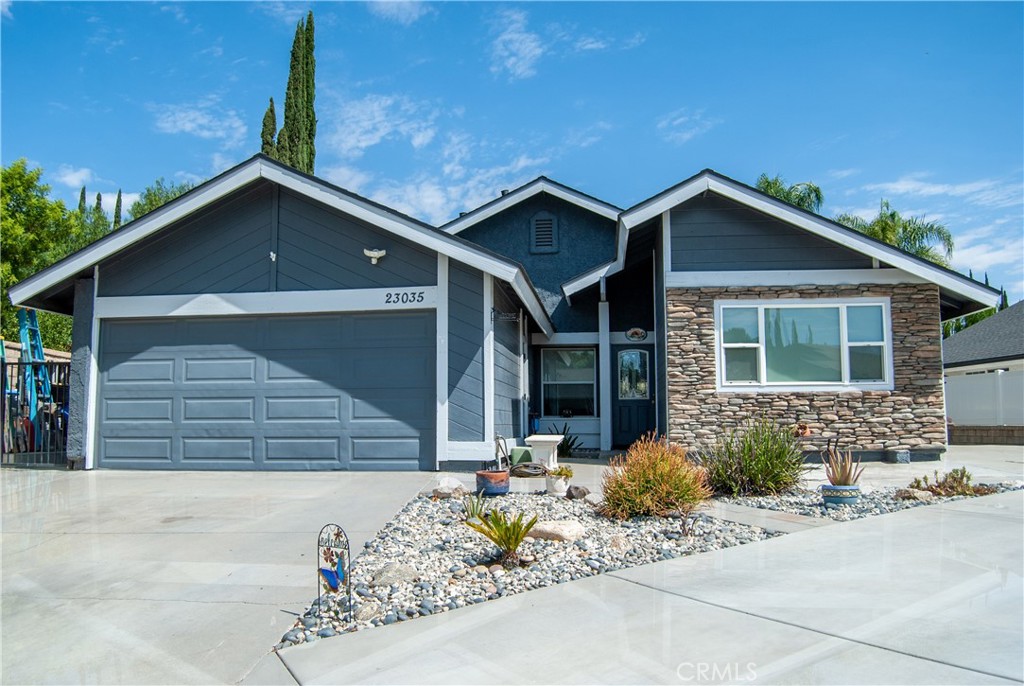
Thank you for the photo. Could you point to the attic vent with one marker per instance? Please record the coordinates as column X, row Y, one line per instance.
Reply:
column 543, row 233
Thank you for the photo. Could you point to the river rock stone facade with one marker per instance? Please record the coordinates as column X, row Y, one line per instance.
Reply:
column 909, row 417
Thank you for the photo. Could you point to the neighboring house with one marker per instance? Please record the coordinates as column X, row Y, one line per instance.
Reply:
column 270, row 320
column 984, row 367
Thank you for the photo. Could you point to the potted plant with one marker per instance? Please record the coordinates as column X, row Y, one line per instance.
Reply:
column 495, row 481
column 842, row 473
column 557, row 480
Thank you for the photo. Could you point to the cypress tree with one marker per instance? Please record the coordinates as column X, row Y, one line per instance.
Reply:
column 293, row 131
column 269, row 129
column 1004, row 302
column 81, row 202
column 309, row 79
column 117, row 210
column 99, row 202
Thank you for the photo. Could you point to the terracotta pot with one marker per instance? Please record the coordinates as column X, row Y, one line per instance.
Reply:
column 492, row 481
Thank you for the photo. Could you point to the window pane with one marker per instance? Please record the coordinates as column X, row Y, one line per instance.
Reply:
column 568, row 365
column 741, row 364
column 866, row 363
column 739, row 324
column 569, row 400
column 864, row 324
column 802, row 344
column 633, row 375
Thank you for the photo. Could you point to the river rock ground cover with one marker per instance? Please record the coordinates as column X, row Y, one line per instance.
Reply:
column 427, row 561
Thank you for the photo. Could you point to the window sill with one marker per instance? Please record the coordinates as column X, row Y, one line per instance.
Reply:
column 806, row 388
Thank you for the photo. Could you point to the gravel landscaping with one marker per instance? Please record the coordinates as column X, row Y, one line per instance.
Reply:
column 872, row 502
column 427, row 561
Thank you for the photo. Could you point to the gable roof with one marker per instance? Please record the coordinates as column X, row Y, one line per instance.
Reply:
column 1000, row 337
column 541, row 184
column 59, row 275
column 708, row 180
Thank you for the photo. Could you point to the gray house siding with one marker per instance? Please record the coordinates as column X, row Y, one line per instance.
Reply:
column 585, row 240
column 507, row 401
column 224, row 249
column 227, row 248
column 465, row 354
column 631, row 297
column 319, row 248
column 717, row 234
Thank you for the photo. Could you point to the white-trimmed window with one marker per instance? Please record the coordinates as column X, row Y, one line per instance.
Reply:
column 568, row 382
column 804, row 344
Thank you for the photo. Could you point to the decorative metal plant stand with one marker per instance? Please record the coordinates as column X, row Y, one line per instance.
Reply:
column 335, row 574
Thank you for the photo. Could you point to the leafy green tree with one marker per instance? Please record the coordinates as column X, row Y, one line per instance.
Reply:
column 35, row 232
column 806, row 195
column 267, row 146
column 930, row 240
column 159, row 193
column 117, row 212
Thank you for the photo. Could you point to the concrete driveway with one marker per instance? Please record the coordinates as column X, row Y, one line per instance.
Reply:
column 147, row 577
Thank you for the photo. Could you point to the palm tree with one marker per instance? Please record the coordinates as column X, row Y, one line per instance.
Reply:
column 911, row 234
column 806, row 196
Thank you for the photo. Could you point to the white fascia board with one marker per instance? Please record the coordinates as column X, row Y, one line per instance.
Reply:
column 588, row 279
column 279, row 302
column 654, row 207
column 135, row 232
column 850, row 239
column 539, row 186
column 795, row 277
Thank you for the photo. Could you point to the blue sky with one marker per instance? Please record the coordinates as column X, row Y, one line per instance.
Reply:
column 433, row 108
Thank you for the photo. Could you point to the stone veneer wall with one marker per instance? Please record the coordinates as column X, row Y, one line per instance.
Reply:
column 911, row 416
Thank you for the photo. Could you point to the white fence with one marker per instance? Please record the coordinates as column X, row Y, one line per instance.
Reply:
column 995, row 399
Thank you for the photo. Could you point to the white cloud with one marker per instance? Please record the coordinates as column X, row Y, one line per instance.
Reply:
column 74, row 177
column 842, row 173
column 515, row 50
column 349, row 178
column 982, row 248
column 405, row 12
column 683, row 125
column 634, row 41
column 365, row 123
column 110, row 199
column 5, row 8
column 588, row 135
column 176, row 11
column 220, row 162
column 194, row 179
column 985, row 192
column 288, row 12
column 437, row 199
column 588, row 43
column 205, row 119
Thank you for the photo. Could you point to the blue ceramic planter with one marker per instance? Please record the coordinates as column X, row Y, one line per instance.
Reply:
column 492, row 482
column 840, row 495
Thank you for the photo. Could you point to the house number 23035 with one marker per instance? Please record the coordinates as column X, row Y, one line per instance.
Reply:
column 403, row 298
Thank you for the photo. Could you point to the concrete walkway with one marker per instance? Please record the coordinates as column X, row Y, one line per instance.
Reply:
column 157, row 578
column 923, row 596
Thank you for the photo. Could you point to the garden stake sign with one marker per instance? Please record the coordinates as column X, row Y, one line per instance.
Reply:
column 334, row 556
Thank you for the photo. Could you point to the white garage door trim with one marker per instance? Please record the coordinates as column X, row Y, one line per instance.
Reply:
column 280, row 302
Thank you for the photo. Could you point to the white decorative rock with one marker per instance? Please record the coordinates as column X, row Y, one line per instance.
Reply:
column 594, row 499
column 367, row 612
column 394, row 573
column 448, row 487
column 562, row 530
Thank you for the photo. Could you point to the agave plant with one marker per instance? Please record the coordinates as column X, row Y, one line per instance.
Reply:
column 504, row 532
column 474, row 506
column 840, row 469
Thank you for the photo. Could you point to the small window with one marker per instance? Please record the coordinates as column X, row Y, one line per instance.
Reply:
column 568, row 382
column 543, row 233
column 633, row 377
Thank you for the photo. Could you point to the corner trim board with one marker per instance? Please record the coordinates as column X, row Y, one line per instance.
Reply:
column 488, row 358
column 441, row 363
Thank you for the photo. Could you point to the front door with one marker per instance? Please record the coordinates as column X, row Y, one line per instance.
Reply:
column 633, row 393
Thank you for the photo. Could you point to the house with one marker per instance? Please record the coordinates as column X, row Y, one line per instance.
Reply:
column 270, row 320
column 984, row 374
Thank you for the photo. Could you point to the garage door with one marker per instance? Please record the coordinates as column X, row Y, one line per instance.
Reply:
column 254, row 393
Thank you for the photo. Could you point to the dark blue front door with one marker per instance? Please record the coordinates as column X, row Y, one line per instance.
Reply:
column 633, row 393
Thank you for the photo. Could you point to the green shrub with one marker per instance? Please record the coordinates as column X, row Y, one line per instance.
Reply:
column 654, row 478
column 956, row 482
column 474, row 506
column 762, row 458
column 569, row 442
column 504, row 532
column 840, row 469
